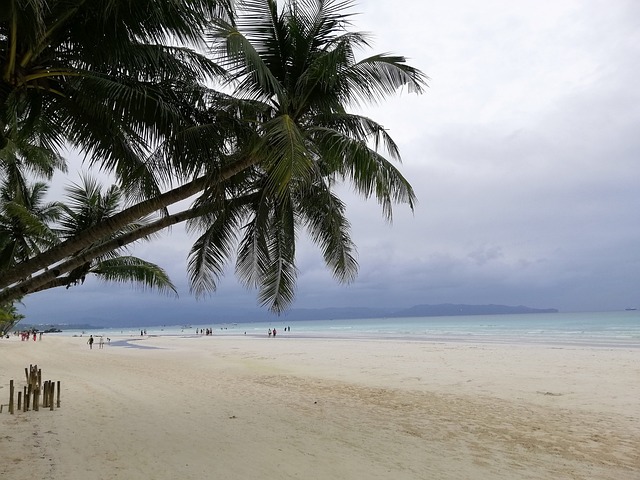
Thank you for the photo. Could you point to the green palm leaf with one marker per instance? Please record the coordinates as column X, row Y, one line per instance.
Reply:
column 324, row 216
column 136, row 271
column 213, row 249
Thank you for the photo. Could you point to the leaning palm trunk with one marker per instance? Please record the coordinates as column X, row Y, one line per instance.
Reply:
column 97, row 233
column 52, row 278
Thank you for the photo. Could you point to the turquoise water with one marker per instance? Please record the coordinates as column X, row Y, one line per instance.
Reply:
column 600, row 329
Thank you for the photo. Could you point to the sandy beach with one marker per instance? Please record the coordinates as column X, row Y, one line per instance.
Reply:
column 200, row 407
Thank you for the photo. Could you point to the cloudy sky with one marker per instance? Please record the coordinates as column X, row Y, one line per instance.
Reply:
column 524, row 153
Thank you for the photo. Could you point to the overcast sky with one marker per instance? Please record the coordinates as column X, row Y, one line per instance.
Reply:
column 524, row 154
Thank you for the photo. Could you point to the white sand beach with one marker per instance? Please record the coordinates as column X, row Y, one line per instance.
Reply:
column 295, row 408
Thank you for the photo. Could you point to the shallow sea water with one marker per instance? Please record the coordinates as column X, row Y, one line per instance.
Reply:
column 597, row 329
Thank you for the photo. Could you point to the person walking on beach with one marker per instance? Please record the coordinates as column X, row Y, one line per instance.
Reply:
column 90, row 342
column 274, row 332
column 101, row 342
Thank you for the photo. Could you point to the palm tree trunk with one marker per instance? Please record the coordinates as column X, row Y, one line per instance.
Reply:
column 96, row 233
column 52, row 278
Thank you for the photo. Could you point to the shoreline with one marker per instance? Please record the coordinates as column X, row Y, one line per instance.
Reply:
column 240, row 407
column 512, row 340
column 599, row 329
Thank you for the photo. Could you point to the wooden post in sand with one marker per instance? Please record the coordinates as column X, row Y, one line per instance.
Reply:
column 11, row 397
column 52, row 389
column 45, row 394
column 58, row 401
column 36, row 399
column 19, row 401
column 27, row 398
column 32, row 378
column 24, row 397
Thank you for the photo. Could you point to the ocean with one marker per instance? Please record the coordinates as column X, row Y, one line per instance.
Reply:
column 596, row 329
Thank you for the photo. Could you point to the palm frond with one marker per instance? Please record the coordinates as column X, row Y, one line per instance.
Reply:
column 212, row 250
column 253, row 254
column 248, row 70
column 285, row 153
column 358, row 128
column 324, row 216
column 278, row 275
column 369, row 172
column 375, row 78
column 136, row 271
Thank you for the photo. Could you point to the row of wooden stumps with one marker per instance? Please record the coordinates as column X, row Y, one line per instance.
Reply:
column 34, row 392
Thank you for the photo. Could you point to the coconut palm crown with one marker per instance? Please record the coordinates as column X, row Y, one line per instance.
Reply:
column 299, row 63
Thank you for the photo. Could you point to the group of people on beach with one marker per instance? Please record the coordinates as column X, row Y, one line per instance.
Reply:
column 27, row 335
column 274, row 331
column 100, row 342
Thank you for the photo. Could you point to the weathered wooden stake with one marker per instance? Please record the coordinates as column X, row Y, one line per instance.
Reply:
column 19, row 401
column 27, row 399
column 24, row 396
column 11, row 397
column 58, row 402
column 52, row 388
column 36, row 399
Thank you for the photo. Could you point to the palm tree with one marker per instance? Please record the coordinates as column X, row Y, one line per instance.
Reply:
column 86, row 205
column 295, row 75
column 9, row 316
column 299, row 64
